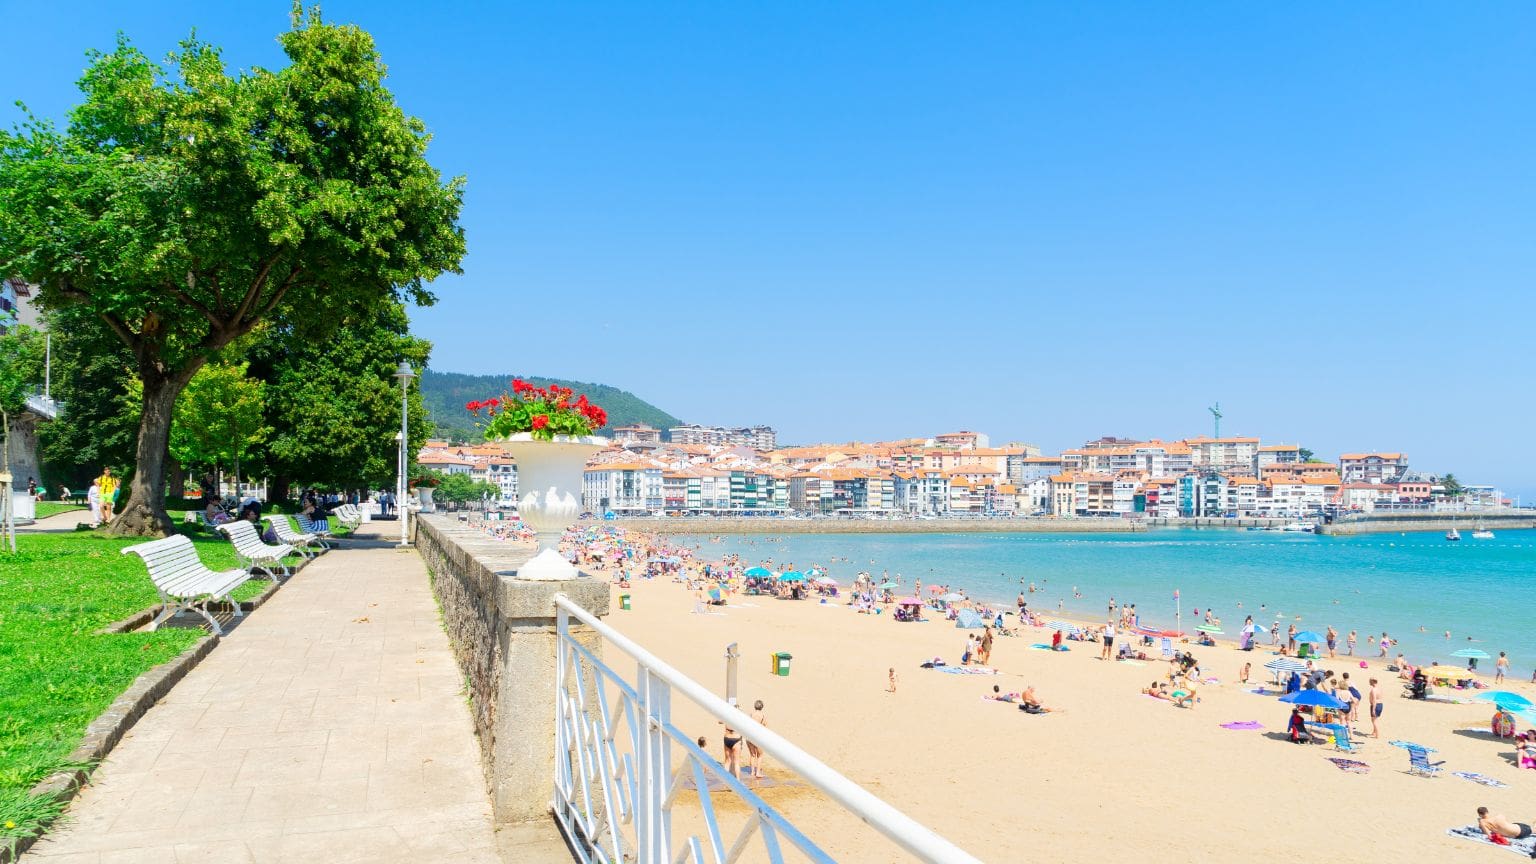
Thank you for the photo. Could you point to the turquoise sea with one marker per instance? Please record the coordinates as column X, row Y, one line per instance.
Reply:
column 1396, row 583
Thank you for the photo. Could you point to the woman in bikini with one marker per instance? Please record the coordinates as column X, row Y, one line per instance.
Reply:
column 732, row 741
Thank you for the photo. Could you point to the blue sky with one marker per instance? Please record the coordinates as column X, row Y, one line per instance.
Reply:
column 1049, row 222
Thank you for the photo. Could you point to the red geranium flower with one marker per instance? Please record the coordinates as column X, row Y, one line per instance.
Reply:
column 540, row 421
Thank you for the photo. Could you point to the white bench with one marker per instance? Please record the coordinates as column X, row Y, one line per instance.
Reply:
column 183, row 581
column 316, row 527
column 307, row 545
column 348, row 515
column 256, row 554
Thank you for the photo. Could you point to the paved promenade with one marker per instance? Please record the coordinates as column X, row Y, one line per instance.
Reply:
column 328, row 726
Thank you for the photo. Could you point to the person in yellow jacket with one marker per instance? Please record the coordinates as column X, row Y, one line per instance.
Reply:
column 108, row 487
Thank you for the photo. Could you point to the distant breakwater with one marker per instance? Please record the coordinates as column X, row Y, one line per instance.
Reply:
column 1388, row 523
column 881, row 526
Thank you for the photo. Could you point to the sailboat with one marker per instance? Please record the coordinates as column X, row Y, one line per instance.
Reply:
column 1481, row 532
column 1453, row 535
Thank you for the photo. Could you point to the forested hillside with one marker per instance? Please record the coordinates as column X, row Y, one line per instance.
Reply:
column 445, row 393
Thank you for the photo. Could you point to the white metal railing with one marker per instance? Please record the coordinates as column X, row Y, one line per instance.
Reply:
column 620, row 766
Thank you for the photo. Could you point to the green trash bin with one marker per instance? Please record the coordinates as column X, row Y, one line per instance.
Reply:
column 1303, row 651
column 624, row 602
column 781, row 664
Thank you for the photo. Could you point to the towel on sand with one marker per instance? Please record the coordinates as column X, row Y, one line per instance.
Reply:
column 1525, row 848
column 1350, row 765
column 1482, row 779
column 967, row 670
column 1243, row 724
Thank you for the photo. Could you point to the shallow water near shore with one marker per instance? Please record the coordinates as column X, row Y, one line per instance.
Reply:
column 1368, row 583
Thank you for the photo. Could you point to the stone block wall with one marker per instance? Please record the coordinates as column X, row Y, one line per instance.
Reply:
column 503, row 633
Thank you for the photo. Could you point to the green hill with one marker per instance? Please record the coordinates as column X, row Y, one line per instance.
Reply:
column 444, row 394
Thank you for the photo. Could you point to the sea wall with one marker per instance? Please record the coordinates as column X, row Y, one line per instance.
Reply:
column 1381, row 523
column 503, row 634
column 758, row 525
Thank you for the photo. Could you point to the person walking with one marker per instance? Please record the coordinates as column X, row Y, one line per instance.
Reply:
column 107, row 492
column 93, row 498
column 754, row 752
column 1500, row 667
column 1375, row 706
column 1107, row 652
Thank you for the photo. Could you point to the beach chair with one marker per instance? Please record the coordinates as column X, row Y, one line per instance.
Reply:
column 1418, row 762
column 1167, row 648
column 1341, row 739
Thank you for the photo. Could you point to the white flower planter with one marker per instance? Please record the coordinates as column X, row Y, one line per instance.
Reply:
column 424, row 495
column 550, row 473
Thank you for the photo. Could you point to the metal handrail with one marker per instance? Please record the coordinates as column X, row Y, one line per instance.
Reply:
column 903, row 830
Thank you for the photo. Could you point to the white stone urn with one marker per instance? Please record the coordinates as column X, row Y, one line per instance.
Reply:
column 424, row 495
column 549, row 475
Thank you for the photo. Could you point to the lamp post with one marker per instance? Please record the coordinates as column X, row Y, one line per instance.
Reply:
column 405, row 373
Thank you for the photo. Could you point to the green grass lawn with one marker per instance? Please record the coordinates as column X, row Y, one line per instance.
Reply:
column 53, row 508
column 56, row 672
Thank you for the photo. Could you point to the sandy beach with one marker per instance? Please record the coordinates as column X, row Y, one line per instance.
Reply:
column 1111, row 774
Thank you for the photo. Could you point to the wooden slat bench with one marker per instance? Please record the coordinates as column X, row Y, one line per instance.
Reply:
column 250, row 549
column 183, row 581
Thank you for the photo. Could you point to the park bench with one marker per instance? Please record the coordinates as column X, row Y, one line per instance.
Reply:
column 307, row 545
column 256, row 554
column 183, row 581
column 316, row 527
column 348, row 515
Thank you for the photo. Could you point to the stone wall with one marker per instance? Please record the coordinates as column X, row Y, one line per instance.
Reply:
column 503, row 633
column 1388, row 522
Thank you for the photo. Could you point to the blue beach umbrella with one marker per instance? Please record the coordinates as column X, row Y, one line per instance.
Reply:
column 1473, row 653
column 887, row 585
column 1507, row 698
column 1309, row 637
column 1312, row 697
column 792, row 576
column 759, row 572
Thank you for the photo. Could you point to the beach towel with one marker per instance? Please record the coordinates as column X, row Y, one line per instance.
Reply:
column 1526, row 847
column 967, row 670
column 1259, row 691
column 1350, row 765
column 1482, row 779
column 1450, row 700
column 1136, row 663
column 1243, row 724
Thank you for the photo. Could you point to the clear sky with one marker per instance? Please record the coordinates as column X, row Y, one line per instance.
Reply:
column 1048, row 222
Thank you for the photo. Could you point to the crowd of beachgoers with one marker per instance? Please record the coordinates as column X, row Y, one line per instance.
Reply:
column 1333, row 691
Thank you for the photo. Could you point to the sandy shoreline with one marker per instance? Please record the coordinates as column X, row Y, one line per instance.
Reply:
column 1112, row 775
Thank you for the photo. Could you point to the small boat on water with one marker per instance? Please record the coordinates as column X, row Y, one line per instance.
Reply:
column 1482, row 534
column 1299, row 526
column 1453, row 535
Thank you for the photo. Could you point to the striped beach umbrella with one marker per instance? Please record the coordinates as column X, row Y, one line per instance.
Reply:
column 1210, row 628
column 1064, row 626
column 1285, row 666
column 1473, row 653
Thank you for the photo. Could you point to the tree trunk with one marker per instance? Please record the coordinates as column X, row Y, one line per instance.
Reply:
column 176, row 485
column 277, row 492
column 144, row 514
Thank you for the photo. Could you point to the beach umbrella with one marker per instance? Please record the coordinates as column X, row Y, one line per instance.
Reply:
column 1210, row 628
column 1473, row 653
column 1507, row 698
column 1409, row 745
column 951, row 598
column 884, row 586
column 1063, row 625
column 827, row 580
column 1285, row 664
column 1155, row 633
column 935, row 589
column 1312, row 697
column 1453, row 673
column 792, row 576
column 1309, row 637
column 909, row 601
column 759, row 572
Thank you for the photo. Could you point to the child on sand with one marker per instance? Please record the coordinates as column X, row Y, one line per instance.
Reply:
column 892, row 687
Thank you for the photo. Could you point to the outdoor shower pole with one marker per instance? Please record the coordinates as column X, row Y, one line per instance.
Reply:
column 731, row 656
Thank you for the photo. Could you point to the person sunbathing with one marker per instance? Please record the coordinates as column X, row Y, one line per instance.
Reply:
column 999, row 696
column 1030, row 703
column 1157, row 691
column 1495, row 825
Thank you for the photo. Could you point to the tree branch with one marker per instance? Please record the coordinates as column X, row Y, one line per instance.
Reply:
column 186, row 298
column 257, row 283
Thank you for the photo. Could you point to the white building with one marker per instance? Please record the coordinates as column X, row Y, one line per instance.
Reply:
column 760, row 438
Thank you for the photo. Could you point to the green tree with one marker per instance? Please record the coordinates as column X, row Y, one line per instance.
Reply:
column 1451, row 485
column 96, row 427
column 184, row 208
column 334, row 404
column 219, row 418
column 1305, row 454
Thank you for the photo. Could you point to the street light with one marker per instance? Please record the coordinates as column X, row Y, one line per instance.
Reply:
column 405, row 373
